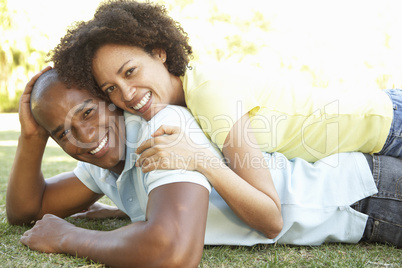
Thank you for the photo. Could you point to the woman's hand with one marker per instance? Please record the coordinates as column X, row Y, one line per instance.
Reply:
column 100, row 211
column 29, row 127
column 171, row 148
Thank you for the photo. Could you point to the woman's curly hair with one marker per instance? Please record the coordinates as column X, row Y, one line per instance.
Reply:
column 124, row 22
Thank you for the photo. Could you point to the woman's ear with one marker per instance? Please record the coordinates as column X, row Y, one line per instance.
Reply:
column 160, row 54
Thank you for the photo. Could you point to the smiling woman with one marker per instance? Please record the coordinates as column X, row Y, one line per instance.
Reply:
column 136, row 80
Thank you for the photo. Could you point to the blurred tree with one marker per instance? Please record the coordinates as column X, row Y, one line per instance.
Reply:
column 240, row 33
column 18, row 57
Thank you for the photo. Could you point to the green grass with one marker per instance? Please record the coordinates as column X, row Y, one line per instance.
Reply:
column 14, row 254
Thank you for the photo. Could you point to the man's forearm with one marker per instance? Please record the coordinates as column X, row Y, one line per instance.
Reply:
column 129, row 246
column 26, row 183
column 140, row 244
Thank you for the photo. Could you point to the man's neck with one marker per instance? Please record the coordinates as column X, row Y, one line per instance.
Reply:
column 118, row 168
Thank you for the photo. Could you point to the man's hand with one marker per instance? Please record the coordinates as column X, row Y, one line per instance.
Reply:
column 100, row 211
column 29, row 127
column 47, row 234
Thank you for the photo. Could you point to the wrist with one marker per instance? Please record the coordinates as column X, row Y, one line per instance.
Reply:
column 33, row 139
column 71, row 242
column 31, row 145
column 209, row 164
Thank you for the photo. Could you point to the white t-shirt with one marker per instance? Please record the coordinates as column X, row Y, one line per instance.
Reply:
column 315, row 198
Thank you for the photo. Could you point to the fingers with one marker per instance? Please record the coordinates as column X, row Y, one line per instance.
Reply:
column 158, row 138
column 155, row 162
column 24, row 239
column 150, row 167
column 152, row 142
column 164, row 129
column 145, row 145
column 27, row 234
column 44, row 70
column 80, row 215
column 148, row 155
column 30, row 84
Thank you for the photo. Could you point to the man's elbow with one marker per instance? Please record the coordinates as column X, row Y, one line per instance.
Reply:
column 19, row 218
column 16, row 221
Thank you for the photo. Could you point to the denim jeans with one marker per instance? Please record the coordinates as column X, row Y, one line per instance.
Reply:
column 384, row 209
column 393, row 144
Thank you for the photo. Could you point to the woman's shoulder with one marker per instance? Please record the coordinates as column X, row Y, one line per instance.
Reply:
column 214, row 78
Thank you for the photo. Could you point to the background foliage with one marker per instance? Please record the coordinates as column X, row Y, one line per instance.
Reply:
column 332, row 44
column 339, row 44
column 18, row 58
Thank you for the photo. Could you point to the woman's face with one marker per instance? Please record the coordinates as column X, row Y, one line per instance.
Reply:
column 136, row 81
column 85, row 127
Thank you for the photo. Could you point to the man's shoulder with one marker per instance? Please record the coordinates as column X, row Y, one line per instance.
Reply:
column 90, row 168
column 172, row 115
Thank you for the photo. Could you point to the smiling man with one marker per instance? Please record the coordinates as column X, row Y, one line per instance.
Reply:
column 84, row 127
column 174, row 212
column 93, row 132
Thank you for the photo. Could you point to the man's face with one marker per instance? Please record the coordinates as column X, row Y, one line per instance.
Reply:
column 86, row 127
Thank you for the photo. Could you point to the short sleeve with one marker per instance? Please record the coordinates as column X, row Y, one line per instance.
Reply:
column 180, row 117
column 219, row 101
column 162, row 177
column 86, row 172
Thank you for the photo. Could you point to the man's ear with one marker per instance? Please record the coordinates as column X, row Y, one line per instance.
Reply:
column 159, row 53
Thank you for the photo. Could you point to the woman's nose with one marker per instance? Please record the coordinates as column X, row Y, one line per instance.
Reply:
column 127, row 93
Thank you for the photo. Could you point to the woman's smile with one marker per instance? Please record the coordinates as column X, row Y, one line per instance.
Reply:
column 135, row 80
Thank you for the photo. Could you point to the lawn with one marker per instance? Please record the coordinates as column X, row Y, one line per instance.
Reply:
column 14, row 254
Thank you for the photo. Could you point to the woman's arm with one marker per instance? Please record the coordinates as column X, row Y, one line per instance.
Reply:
column 171, row 236
column 29, row 195
column 255, row 199
column 246, row 185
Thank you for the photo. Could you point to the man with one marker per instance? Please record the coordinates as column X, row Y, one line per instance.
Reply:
column 155, row 240
column 170, row 210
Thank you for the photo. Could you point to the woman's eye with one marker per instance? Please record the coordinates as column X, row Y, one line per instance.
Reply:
column 110, row 89
column 130, row 71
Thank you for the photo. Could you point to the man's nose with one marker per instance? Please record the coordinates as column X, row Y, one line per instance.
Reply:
column 86, row 135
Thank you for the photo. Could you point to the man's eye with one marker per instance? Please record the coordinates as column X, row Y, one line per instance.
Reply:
column 110, row 89
column 87, row 112
column 64, row 133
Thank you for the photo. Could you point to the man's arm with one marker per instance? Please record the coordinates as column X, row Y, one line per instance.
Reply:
column 246, row 185
column 29, row 196
column 171, row 236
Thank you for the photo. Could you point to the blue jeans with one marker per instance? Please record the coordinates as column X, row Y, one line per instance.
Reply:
column 393, row 145
column 384, row 209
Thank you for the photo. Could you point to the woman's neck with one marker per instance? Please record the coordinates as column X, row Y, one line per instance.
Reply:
column 178, row 90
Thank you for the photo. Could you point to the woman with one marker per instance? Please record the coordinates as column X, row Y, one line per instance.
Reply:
column 171, row 212
column 137, row 56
